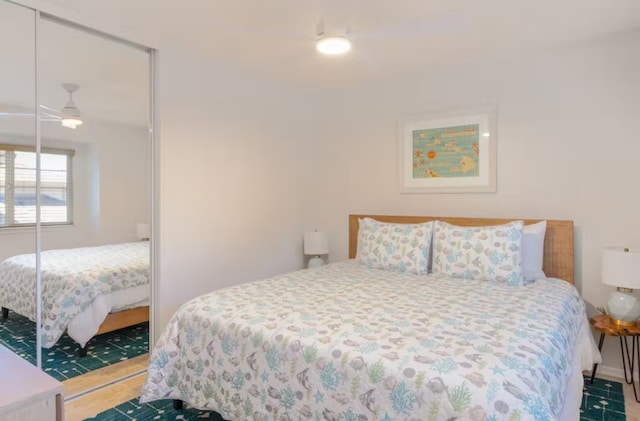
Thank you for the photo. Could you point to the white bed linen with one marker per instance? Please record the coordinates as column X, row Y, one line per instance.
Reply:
column 85, row 325
column 346, row 341
column 585, row 355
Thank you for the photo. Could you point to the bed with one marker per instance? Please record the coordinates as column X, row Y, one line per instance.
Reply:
column 351, row 341
column 86, row 291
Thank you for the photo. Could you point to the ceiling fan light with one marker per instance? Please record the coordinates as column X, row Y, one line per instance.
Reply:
column 71, row 122
column 70, row 113
column 71, row 116
column 333, row 45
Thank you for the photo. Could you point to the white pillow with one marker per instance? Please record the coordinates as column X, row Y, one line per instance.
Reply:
column 397, row 247
column 491, row 253
column 533, row 251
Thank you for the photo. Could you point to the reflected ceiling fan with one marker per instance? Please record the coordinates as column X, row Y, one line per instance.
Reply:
column 69, row 116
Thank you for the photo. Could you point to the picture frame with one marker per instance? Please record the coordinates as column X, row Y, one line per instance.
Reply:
column 448, row 152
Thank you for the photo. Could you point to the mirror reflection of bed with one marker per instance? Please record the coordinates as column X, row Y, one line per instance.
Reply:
column 87, row 292
column 94, row 206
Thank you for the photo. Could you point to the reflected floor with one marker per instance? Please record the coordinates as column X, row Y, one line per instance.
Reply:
column 61, row 361
column 88, row 405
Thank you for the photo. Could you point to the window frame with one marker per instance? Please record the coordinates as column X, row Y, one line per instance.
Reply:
column 10, row 178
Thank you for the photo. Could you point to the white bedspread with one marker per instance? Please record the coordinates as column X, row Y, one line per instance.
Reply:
column 71, row 280
column 348, row 343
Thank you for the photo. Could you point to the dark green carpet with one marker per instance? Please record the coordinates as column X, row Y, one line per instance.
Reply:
column 61, row 361
column 603, row 400
column 157, row 411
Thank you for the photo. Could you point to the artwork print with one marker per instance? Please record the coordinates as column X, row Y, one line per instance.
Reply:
column 446, row 152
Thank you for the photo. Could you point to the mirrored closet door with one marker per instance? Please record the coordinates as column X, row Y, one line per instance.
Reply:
column 18, row 181
column 95, row 199
column 75, row 197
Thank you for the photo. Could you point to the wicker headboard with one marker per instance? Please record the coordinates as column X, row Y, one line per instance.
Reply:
column 558, row 240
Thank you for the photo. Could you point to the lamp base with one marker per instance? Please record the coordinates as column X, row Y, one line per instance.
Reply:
column 623, row 307
column 315, row 262
column 623, row 323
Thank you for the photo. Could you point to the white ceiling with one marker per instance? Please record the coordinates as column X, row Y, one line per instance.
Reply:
column 113, row 78
column 275, row 38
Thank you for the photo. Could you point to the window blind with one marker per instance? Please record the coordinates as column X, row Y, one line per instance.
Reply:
column 18, row 186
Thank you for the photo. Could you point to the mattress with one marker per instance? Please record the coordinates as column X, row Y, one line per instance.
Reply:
column 71, row 280
column 347, row 342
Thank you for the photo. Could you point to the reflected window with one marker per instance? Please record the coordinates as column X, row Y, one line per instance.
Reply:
column 18, row 186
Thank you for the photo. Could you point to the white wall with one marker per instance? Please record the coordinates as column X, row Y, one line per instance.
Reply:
column 232, row 178
column 121, row 174
column 567, row 148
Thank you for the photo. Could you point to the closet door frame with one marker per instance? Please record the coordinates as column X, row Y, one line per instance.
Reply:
column 153, row 172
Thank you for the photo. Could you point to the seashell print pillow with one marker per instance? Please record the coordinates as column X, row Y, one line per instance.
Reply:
column 491, row 253
column 396, row 247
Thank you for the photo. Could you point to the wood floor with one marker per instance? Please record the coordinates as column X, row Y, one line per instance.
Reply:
column 89, row 405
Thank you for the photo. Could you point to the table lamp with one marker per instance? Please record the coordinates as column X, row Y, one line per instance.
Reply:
column 142, row 231
column 316, row 243
column 621, row 269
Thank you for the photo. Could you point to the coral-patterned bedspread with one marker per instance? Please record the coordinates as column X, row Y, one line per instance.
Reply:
column 344, row 342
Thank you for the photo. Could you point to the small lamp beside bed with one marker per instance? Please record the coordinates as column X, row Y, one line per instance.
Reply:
column 621, row 269
column 316, row 244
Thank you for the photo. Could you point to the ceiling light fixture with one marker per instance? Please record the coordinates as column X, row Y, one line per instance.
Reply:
column 333, row 45
column 70, row 113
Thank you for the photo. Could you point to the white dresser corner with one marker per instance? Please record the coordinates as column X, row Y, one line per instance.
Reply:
column 27, row 393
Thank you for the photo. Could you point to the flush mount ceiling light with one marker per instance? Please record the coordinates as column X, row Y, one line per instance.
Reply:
column 332, row 45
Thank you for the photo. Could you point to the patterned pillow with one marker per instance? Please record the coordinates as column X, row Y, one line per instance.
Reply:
column 492, row 253
column 397, row 247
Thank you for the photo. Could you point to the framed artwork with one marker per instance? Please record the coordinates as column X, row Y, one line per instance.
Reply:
column 451, row 152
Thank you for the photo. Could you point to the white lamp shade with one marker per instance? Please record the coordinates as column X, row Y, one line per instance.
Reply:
column 316, row 243
column 621, row 268
column 142, row 231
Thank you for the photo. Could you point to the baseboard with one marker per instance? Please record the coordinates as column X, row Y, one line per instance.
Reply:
column 611, row 372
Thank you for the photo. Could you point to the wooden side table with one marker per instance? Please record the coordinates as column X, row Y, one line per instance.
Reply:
column 603, row 324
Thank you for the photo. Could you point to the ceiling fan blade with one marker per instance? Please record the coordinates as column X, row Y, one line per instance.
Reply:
column 7, row 114
column 44, row 116
column 49, row 108
column 57, row 117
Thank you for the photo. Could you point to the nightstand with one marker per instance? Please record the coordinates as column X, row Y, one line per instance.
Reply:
column 603, row 324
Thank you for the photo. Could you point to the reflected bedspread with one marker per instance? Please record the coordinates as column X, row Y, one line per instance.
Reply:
column 71, row 280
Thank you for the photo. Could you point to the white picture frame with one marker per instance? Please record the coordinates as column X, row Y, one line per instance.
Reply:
column 448, row 152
